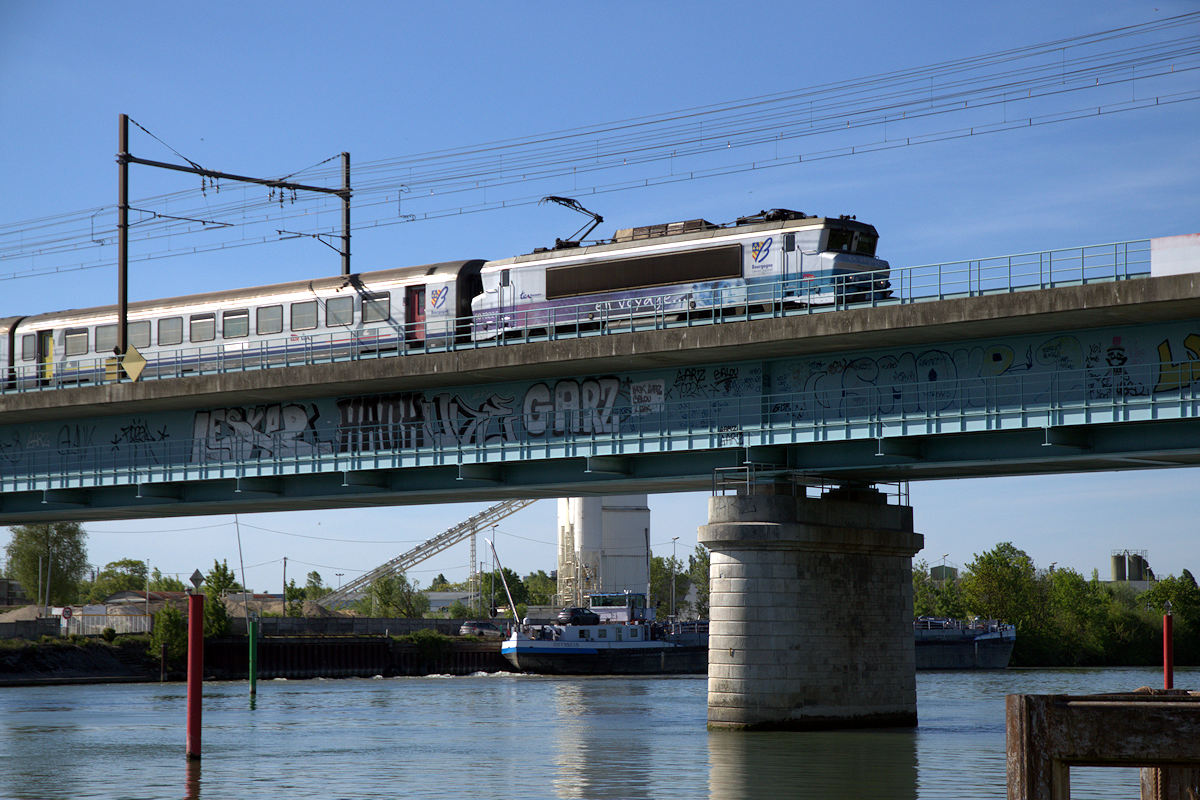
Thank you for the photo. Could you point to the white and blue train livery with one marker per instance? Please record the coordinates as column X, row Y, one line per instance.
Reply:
column 682, row 269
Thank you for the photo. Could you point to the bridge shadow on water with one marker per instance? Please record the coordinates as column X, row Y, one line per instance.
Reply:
column 827, row 765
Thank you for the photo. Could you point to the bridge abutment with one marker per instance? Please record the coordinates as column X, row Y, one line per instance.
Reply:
column 811, row 611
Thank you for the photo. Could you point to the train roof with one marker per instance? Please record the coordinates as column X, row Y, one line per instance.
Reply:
column 362, row 280
column 691, row 230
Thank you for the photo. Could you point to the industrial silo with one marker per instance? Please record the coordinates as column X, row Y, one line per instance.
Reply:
column 1118, row 566
column 1137, row 567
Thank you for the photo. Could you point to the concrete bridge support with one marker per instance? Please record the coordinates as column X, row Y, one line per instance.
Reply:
column 811, row 611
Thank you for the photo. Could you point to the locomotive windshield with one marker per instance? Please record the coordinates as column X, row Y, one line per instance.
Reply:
column 847, row 241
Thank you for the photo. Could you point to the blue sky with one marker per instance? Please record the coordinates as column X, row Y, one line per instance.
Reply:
column 269, row 88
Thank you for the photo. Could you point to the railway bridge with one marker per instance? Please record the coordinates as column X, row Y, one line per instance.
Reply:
column 1093, row 367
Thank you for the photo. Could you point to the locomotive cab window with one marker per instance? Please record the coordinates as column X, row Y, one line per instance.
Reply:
column 28, row 347
column 235, row 324
column 75, row 341
column 106, row 339
column 840, row 241
column 339, row 311
column 269, row 319
column 376, row 307
column 203, row 327
column 866, row 244
column 304, row 315
column 170, row 331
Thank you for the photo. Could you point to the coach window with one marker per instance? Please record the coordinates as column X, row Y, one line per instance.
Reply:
column 106, row 339
column 139, row 334
column 28, row 347
column 339, row 311
column 75, row 341
column 203, row 327
column 304, row 315
column 235, row 324
column 376, row 307
column 269, row 320
column 170, row 331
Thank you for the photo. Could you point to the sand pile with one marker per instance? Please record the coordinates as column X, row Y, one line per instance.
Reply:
column 19, row 614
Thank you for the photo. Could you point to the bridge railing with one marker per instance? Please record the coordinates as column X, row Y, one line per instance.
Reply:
column 782, row 298
column 843, row 411
column 752, row 478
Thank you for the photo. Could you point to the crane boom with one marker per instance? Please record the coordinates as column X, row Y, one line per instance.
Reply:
column 447, row 538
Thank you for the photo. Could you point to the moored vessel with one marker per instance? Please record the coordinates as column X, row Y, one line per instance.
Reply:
column 611, row 637
column 957, row 644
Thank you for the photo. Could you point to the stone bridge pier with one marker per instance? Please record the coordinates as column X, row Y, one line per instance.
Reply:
column 811, row 611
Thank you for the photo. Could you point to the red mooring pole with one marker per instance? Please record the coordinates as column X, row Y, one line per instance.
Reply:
column 1168, row 653
column 195, row 673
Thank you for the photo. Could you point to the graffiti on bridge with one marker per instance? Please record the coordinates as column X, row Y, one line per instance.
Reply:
column 252, row 432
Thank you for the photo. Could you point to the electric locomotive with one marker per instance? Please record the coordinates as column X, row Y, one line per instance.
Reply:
column 678, row 269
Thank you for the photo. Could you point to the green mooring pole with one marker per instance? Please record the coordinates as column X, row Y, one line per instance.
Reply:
column 251, row 634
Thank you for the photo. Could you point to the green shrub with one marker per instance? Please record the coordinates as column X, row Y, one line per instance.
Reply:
column 430, row 643
column 170, row 629
column 108, row 634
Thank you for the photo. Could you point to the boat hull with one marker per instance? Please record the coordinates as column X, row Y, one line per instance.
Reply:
column 953, row 650
column 651, row 661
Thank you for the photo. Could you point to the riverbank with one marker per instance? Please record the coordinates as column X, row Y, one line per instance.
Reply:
column 65, row 661
column 127, row 659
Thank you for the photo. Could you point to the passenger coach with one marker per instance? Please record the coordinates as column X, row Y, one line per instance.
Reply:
column 383, row 310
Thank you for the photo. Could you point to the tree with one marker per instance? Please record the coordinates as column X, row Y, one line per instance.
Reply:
column 1000, row 584
column 493, row 587
column 123, row 575
column 540, row 588
column 314, row 588
column 698, row 569
column 170, row 628
column 293, row 599
column 165, row 583
column 458, row 610
column 439, row 584
column 62, row 550
column 220, row 580
column 394, row 596
column 661, row 570
column 1183, row 595
column 217, row 583
column 924, row 592
column 948, row 600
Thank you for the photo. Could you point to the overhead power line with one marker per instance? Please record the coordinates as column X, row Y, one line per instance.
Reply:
column 1130, row 68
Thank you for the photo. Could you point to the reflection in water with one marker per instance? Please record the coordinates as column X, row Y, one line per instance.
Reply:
column 593, row 751
column 827, row 765
column 192, row 781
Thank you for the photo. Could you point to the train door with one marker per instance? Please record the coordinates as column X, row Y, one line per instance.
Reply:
column 414, row 314
column 45, row 355
column 506, row 307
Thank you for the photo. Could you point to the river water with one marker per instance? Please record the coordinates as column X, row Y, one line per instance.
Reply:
column 510, row 736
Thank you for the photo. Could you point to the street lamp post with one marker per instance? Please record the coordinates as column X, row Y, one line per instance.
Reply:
column 674, row 539
column 339, row 577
